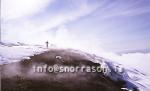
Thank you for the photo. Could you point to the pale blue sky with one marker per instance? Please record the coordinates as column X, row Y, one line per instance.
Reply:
column 113, row 25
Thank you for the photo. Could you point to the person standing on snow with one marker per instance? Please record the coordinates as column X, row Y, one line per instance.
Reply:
column 47, row 44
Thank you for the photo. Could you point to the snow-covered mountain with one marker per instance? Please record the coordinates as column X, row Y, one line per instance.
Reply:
column 12, row 52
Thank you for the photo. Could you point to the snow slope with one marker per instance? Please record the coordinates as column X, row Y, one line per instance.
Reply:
column 124, row 70
column 132, row 75
column 10, row 52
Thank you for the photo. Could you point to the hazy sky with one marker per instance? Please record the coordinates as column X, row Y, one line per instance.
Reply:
column 112, row 25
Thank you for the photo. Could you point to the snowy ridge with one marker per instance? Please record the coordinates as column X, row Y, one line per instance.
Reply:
column 133, row 77
column 142, row 80
column 119, row 72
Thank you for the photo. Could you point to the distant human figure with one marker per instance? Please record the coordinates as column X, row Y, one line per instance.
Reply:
column 47, row 44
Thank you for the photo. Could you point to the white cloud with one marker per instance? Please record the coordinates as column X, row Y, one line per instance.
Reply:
column 124, row 9
column 12, row 9
column 81, row 8
column 21, row 28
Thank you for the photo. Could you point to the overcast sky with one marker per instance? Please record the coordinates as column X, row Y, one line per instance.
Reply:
column 112, row 25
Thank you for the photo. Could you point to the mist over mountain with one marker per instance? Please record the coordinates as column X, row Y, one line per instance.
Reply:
column 113, row 34
column 18, row 66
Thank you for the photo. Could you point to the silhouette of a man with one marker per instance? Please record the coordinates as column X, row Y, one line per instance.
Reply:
column 47, row 44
